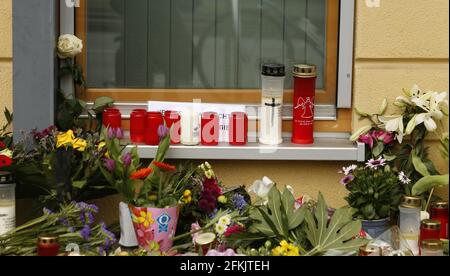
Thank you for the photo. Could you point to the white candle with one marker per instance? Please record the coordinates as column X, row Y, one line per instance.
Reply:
column 190, row 127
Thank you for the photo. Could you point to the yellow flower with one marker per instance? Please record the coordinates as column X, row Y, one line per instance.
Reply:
column 188, row 200
column 145, row 218
column 80, row 144
column 220, row 228
column 65, row 139
column 152, row 197
column 187, row 193
column 278, row 251
column 100, row 146
column 284, row 244
column 222, row 199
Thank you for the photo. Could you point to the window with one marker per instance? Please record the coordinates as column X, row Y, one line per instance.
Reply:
column 179, row 50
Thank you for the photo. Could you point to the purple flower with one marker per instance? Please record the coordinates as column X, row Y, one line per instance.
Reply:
column 349, row 170
column 119, row 133
column 239, row 202
column 85, row 232
column 163, row 131
column 64, row 221
column 109, row 164
column 347, row 179
column 111, row 133
column 126, row 159
column 367, row 139
column 375, row 164
column 110, row 238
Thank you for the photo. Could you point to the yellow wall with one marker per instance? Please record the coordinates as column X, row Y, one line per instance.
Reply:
column 401, row 43
column 5, row 56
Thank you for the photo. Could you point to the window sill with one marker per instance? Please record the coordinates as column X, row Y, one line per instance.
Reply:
column 324, row 149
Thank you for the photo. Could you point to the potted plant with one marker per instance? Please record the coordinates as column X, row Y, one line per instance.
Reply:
column 375, row 191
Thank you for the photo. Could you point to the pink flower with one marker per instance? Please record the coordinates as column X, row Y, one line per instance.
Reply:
column 383, row 136
column 366, row 139
column 195, row 227
column 233, row 230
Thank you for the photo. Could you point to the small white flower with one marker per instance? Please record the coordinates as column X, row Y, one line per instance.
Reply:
column 403, row 178
column 225, row 220
column 427, row 120
column 349, row 170
column 220, row 228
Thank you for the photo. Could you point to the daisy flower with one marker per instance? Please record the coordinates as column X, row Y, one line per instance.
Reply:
column 375, row 164
column 404, row 178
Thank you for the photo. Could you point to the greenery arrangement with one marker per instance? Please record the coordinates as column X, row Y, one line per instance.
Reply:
column 374, row 190
column 297, row 231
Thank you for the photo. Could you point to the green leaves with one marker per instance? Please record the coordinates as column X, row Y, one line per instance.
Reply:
column 278, row 218
column 427, row 183
column 419, row 166
column 101, row 103
column 337, row 235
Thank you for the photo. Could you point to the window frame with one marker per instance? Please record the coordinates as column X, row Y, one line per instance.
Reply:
column 338, row 72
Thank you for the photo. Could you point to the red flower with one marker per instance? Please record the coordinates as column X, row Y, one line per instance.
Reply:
column 233, row 230
column 5, row 161
column 141, row 174
column 164, row 166
column 2, row 145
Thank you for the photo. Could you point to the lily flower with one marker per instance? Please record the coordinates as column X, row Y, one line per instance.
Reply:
column 394, row 124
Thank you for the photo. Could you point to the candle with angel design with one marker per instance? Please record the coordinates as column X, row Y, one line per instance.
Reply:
column 304, row 102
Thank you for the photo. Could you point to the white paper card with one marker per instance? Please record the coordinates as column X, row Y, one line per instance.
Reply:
column 224, row 111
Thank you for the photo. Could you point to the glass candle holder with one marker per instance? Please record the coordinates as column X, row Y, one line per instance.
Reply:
column 7, row 203
column 210, row 129
column 271, row 117
column 305, row 77
column 190, row 127
column 432, row 248
column 137, row 125
column 409, row 221
column 112, row 118
column 173, row 122
column 238, row 129
column 430, row 230
column 48, row 245
column 439, row 211
column 154, row 120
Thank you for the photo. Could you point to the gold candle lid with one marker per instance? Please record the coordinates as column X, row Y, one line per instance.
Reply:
column 412, row 202
column 431, row 224
column 440, row 205
column 305, row 71
column 48, row 239
column 432, row 244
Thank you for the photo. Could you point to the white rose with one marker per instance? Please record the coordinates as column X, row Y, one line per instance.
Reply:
column 69, row 46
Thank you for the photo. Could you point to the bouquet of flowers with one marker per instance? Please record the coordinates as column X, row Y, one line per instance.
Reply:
column 74, row 223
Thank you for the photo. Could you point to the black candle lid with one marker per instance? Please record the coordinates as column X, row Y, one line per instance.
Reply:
column 6, row 178
column 273, row 70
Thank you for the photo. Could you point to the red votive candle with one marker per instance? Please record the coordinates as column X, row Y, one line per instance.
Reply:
column 430, row 230
column 439, row 211
column 173, row 122
column 210, row 129
column 112, row 118
column 154, row 120
column 137, row 125
column 238, row 129
column 48, row 246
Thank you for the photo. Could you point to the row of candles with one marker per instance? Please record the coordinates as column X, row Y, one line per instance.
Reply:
column 189, row 127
